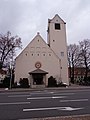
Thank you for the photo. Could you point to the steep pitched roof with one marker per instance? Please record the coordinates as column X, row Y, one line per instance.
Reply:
column 49, row 20
column 38, row 35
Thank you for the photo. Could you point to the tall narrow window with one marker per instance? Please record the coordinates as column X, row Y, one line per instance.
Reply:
column 57, row 26
column 62, row 54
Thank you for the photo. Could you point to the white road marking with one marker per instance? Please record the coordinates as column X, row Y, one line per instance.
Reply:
column 16, row 103
column 77, row 90
column 78, row 100
column 58, row 97
column 19, row 95
column 53, row 108
column 38, row 93
column 71, row 109
column 16, row 93
column 65, row 94
column 37, row 98
column 51, row 92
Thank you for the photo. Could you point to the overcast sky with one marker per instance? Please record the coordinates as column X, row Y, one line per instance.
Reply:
column 27, row 17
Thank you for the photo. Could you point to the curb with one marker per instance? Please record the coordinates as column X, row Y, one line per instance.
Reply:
column 42, row 89
column 73, row 117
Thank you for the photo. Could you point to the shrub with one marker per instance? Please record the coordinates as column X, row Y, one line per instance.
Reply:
column 1, row 85
column 24, row 83
column 84, row 81
column 52, row 82
column 87, row 81
column 15, row 85
column 6, row 82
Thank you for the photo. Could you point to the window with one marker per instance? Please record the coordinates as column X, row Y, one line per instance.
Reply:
column 62, row 54
column 49, row 54
column 26, row 54
column 57, row 26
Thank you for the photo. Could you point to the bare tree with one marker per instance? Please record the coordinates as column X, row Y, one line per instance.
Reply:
column 8, row 45
column 85, row 55
column 73, row 57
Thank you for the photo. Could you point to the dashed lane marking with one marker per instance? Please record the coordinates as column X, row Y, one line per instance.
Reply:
column 37, row 98
column 19, row 95
column 15, row 103
column 64, row 94
column 77, row 100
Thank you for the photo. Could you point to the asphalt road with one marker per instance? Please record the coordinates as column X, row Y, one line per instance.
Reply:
column 46, row 103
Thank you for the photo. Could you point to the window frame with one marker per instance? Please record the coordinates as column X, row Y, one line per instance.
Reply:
column 57, row 26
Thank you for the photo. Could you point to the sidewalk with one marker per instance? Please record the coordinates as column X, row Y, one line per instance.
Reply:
column 42, row 89
column 77, row 117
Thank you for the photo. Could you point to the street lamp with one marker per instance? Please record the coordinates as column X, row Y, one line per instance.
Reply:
column 11, row 70
column 10, row 75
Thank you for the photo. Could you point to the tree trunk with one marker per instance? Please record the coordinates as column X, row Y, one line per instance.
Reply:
column 86, row 69
column 72, row 79
column 70, row 72
column 1, row 65
column 73, row 74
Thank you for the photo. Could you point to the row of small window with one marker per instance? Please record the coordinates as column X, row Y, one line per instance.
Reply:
column 37, row 54
column 62, row 54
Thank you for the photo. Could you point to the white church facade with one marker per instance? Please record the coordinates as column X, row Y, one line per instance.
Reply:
column 40, row 60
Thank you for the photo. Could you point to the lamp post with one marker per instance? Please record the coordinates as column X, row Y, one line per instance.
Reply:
column 10, row 75
column 11, row 71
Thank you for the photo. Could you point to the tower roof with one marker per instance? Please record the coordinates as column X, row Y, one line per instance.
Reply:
column 56, row 16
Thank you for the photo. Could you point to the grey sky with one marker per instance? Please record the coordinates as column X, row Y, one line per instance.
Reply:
column 26, row 17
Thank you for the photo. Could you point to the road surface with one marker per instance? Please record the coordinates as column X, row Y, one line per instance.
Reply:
column 46, row 103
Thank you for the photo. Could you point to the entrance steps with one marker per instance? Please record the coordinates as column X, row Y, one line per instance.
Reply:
column 38, row 86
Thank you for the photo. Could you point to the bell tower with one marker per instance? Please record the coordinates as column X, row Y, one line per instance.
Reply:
column 57, row 42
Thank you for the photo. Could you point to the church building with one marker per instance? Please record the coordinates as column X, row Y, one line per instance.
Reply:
column 40, row 60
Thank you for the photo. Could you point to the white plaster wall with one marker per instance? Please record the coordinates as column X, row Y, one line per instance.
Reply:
column 37, row 50
column 57, row 41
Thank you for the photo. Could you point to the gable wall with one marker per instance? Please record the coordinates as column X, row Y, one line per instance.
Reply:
column 37, row 50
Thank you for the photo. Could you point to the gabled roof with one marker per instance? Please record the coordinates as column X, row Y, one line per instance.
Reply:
column 38, row 35
column 38, row 71
column 49, row 20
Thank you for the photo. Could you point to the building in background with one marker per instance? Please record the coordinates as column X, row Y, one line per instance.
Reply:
column 79, row 73
column 40, row 60
column 3, row 74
